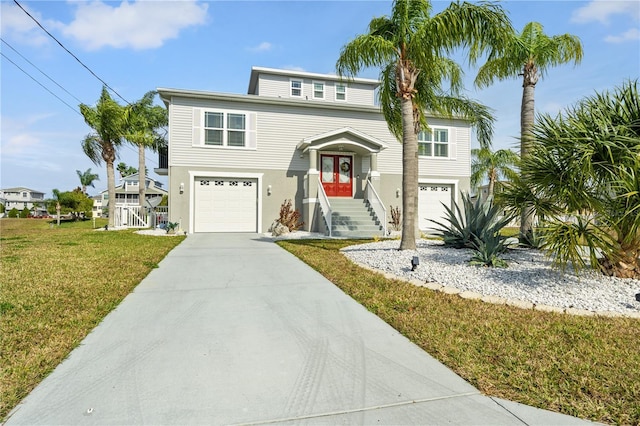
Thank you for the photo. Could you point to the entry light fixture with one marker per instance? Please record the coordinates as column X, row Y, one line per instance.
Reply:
column 269, row 190
column 397, row 192
column 181, row 187
column 415, row 261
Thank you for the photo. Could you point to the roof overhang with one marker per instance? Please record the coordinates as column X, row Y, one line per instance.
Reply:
column 343, row 139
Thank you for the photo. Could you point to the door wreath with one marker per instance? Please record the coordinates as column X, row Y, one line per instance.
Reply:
column 345, row 167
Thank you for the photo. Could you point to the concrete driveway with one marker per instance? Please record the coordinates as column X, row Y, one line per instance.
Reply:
column 231, row 329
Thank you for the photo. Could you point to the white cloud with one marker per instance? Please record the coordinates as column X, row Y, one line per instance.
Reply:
column 16, row 25
column 138, row 25
column 601, row 11
column 20, row 144
column 265, row 46
column 631, row 35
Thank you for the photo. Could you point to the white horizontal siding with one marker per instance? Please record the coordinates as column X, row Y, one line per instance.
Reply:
column 280, row 128
column 280, row 87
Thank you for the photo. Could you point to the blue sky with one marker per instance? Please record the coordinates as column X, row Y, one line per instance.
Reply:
column 138, row 46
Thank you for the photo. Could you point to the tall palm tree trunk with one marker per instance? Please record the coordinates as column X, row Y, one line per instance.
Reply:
column 409, row 177
column 527, row 112
column 111, row 190
column 142, row 175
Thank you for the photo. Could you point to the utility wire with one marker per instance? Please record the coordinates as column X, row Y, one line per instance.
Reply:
column 131, row 148
column 41, row 72
column 69, row 52
column 43, row 86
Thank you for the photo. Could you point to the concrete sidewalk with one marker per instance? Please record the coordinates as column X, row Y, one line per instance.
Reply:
column 231, row 329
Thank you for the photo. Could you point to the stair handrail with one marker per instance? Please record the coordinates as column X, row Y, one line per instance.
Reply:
column 376, row 204
column 325, row 205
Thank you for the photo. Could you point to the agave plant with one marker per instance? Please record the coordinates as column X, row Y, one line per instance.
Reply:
column 487, row 250
column 469, row 225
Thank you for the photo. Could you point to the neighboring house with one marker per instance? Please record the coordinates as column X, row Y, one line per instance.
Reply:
column 313, row 138
column 22, row 197
column 127, row 193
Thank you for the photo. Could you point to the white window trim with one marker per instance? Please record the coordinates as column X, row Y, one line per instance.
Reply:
column 336, row 92
column 433, row 149
column 313, row 88
column 192, row 200
column 225, row 129
column 291, row 80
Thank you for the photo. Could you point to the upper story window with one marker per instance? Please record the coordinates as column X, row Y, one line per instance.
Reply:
column 341, row 92
column 224, row 132
column 24, row 195
column 296, row 88
column 318, row 90
column 433, row 143
column 226, row 129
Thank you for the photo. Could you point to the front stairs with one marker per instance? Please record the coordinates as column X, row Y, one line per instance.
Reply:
column 353, row 218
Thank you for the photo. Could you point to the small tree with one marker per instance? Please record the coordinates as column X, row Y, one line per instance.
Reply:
column 13, row 213
column 24, row 213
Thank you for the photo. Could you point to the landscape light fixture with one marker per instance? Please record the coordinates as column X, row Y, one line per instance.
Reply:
column 415, row 262
column 638, row 297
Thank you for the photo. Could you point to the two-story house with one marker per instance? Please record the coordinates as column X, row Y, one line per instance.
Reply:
column 316, row 139
column 22, row 197
column 127, row 193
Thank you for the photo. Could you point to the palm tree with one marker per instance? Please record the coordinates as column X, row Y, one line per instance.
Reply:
column 57, row 196
column 493, row 166
column 528, row 55
column 583, row 177
column 143, row 123
column 107, row 119
column 410, row 47
column 86, row 179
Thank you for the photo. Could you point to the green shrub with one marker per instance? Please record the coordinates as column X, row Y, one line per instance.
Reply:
column 475, row 220
column 487, row 250
column 13, row 213
column 477, row 227
column 24, row 213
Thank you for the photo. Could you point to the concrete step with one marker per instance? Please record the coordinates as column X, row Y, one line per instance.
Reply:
column 352, row 218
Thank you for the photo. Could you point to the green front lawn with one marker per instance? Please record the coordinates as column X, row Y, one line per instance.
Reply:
column 587, row 367
column 58, row 283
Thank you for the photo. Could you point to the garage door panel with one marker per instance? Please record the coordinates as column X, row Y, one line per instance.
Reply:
column 430, row 200
column 225, row 205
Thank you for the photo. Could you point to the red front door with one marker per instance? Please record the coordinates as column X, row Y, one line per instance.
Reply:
column 336, row 175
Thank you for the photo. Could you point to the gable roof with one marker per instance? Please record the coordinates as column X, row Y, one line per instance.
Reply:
column 356, row 140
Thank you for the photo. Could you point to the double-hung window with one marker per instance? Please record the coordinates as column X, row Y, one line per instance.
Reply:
column 341, row 92
column 433, row 143
column 225, row 129
column 318, row 90
column 296, row 88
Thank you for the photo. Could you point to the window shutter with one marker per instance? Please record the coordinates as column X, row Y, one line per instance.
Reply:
column 453, row 146
column 197, row 127
column 252, row 137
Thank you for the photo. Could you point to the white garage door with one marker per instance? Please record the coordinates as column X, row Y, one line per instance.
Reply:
column 430, row 199
column 226, row 205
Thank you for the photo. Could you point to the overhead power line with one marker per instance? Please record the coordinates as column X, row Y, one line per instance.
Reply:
column 42, row 85
column 41, row 72
column 70, row 53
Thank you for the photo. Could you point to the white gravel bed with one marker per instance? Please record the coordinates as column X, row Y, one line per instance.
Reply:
column 529, row 276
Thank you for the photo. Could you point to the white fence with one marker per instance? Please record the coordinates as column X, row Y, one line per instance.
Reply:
column 133, row 216
column 130, row 216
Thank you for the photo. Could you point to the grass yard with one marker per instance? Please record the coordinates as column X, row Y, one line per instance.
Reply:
column 587, row 367
column 58, row 283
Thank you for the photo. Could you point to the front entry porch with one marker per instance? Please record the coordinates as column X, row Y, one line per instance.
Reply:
column 341, row 196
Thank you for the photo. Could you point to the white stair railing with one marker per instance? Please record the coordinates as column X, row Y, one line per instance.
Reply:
column 324, row 205
column 376, row 204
